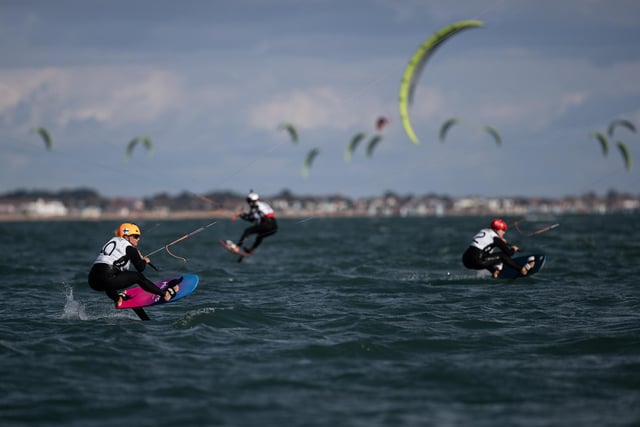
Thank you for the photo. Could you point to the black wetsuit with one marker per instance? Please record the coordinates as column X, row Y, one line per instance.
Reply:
column 110, row 278
column 482, row 254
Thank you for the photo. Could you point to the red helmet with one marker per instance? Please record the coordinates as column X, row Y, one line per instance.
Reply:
column 498, row 224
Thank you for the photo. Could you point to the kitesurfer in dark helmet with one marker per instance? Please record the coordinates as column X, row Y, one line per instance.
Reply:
column 263, row 217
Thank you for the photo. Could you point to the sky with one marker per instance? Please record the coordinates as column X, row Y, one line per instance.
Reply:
column 211, row 82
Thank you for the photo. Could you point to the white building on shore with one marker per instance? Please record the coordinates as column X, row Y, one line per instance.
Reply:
column 46, row 208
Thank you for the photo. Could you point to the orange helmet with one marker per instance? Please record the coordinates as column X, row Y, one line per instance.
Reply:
column 498, row 224
column 128, row 228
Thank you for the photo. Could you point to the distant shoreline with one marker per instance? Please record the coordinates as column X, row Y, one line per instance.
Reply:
column 79, row 206
column 180, row 215
column 109, row 217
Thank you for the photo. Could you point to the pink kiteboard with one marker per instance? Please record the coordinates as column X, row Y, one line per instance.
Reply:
column 138, row 297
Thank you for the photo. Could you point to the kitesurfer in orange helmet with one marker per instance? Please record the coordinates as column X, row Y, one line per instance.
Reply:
column 110, row 271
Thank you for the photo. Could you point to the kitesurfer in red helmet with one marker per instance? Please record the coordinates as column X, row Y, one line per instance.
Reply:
column 490, row 250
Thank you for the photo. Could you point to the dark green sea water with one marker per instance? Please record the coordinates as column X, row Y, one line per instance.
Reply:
column 334, row 322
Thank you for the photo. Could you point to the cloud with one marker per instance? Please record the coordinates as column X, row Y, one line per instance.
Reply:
column 131, row 96
column 313, row 108
column 17, row 86
column 113, row 96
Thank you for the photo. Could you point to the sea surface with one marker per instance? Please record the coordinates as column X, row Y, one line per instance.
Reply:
column 333, row 322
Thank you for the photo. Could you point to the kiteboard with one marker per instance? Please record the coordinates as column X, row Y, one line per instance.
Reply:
column 138, row 297
column 509, row 273
column 233, row 248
